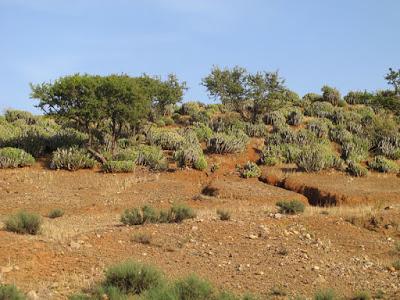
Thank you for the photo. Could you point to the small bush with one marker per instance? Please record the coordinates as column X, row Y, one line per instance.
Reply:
column 397, row 247
column 132, row 277
column 71, row 159
column 56, row 213
column 356, row 169
column 142, row 238
column 193, row 288
column 361, row 295
column 290, row 207
column 227, row 143
column 151, row 156
column 250, row 170
column 180, row 212
column 24, row 223
column 10, row 292
column 396, row 265
column 328, row 294
column 12, row 115
column 118, row 166
column 167, row 139
column 223, row 214
column 202, row 131
column 384, row 165
column 14, row 158
column 192, row 156
column 135, row 216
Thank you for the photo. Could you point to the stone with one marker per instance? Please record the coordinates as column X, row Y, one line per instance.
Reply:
column 32, row 295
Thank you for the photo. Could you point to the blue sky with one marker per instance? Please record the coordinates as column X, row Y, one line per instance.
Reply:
column 349, row 44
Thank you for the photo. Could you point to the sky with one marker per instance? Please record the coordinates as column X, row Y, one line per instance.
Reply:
column 348, row 44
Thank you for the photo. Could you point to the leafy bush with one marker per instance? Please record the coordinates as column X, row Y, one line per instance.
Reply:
column 356, row 169
column 318, row 127
column 396, row 265
column 118, row 166
column 191, row 155
column 356, row 149
column 167, row 139
column 56, row 213
column 135, row 216
column 10, row 292
column 330, row 95
column 274, row 118
column 256, row 130
column 295, row 118
column 328, row 294
column 250, row 170
column 142, row 238
column 132, row 277
column 290, row 207
column 180, row 212
column 24, row 223
column 13, row 158
column 361, row 295
column 71, row 159
column 227, row 143
column 314, row 158
column 358, row 97
column 384, row 165
column 193, row 288
column 223, row 214
column 12, row 115
column 203, row 132
column 319, row 109
column 151, row 156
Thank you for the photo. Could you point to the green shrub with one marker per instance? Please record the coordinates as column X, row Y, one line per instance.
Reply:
column 180, row 212
column 135, row 216
column 203, row 132
column 256, row 130
column 290, row 207
column 274, row 118
column 384, row 165
column 223, row 214
column 80, row 296
column 396, row 265
column 192, row 156
column 319, row 128
column 24, row 223
column 356, row 169
column 167, row 139
column 328, row 294
column 127, row 154
column 14, row 158
column 142, row 238
column 319, row 109
column 151, row 156
column 227, row 143
column 361, row 295
column 12, row 115
column 56, row 213
column 71, row 159
column 132, row 278
column 250, row 170
column 295, row 118
column 193, row 288
column 355, row 150
column 331, row 95
column 314, row 158
column 118, row 166
column 10, row 292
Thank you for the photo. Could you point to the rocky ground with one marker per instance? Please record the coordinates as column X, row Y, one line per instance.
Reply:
column 347, row 248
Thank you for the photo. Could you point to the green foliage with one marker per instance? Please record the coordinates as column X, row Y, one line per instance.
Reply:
column 10, row 292
column 356, row 149
column 358, row 97
column 203, row 132
column 290, row 207
column 255, row 130
column 223, row 214
column 384, row 165
column 328, row 294
column 146, row 214
column 142, row 238
column 227, row 143
column 56, row 213
column 193, row 288
column 361, row 295
column 330, row 95
column 151, row 156
column 119, row 166
column 167, row 139
column 314, row 158
column 227, row 85
column 396, row 265
column 132, row 278
column 319, row 109
column 357, row 170
column 24, row 223
column 14, row 158
column 190, row 153
column 393, row 78
column 71, row 159
column 312, row 97
column 274, row 118
column 250, row 170
column 319, row 127
column 295, row 118
column 12, row 115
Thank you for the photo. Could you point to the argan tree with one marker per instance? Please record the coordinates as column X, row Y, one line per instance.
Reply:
column 393, row 78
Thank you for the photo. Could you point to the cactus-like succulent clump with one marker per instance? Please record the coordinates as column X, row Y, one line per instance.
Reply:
column 227, row 142
column 357, row 170
column 384, row 165
column 14, row 158
column 167, row 139
column 119, row 166
column 250, row 170
column 71, row 159
column 314, row 158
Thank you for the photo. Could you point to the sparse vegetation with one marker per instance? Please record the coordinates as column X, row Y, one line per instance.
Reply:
column 250, row 170
column 10, row 292
column 327, row 294
column 24, row 223
column 290, row 207
column 119, row 166
column 142, row 238
column 361, row 295
column 223, row 214
column 56, row 213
